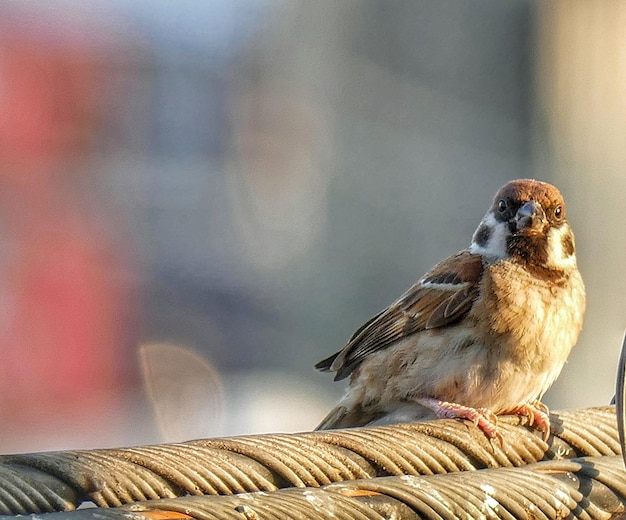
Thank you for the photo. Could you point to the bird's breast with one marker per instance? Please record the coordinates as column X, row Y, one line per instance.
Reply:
column 536, row 320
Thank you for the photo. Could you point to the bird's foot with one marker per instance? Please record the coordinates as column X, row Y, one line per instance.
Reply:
column 484, row 418
column 538, row 415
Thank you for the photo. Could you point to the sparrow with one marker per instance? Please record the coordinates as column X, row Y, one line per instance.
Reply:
column 483, row 333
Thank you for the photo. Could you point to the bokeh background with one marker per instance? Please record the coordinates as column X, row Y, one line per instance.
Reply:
column 201, row 199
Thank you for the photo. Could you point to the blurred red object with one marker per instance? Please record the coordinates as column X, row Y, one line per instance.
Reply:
column 64, row 297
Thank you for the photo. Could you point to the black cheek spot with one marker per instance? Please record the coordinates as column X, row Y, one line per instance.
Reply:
column 567, row 244
column 483, row 235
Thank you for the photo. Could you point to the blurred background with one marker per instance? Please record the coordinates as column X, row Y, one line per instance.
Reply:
column 201, row 199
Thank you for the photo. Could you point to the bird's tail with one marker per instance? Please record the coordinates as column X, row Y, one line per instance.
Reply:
column 344, row 417
column 325, row 364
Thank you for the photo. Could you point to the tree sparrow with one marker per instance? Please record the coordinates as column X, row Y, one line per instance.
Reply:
column 483, row 333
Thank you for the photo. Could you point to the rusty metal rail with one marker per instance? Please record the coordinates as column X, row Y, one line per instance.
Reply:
column 62, row 481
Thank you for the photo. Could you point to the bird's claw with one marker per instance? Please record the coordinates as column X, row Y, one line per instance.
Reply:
column 537, row 414
column 483, row 418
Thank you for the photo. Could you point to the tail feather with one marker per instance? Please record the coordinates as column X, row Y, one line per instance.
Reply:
column 333, row 419
column 342, row 417
column 325, row 364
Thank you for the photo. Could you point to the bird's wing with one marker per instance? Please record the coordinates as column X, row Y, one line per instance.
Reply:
column 442, row 297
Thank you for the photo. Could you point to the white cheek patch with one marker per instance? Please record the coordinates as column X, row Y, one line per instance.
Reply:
column 558, row 257
column 496, row 243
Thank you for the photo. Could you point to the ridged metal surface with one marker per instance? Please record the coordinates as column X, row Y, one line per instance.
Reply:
column 267, row 463
column 23, row 491
column 589, row 488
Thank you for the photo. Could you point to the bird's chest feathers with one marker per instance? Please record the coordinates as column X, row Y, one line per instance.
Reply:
column 535, row 319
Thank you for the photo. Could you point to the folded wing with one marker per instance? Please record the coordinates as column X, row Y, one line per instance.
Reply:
column 441, row 298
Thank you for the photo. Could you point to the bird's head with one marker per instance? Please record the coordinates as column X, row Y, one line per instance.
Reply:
column 527, row 223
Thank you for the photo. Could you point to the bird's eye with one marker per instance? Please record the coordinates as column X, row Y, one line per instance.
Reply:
column 502, row 205
column 558, row 212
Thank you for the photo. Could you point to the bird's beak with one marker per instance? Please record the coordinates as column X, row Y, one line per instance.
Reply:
column 529, row 217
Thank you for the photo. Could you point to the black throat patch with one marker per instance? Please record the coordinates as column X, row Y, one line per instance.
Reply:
column 531, row 251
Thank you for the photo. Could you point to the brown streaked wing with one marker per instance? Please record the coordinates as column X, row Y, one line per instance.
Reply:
column 365, row 325
column 325, row 365
column 422, row 306
column 453, row 308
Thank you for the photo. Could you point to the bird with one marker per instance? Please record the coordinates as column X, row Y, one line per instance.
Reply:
column 483, row 333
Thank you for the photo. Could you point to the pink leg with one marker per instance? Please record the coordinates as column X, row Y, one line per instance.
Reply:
column 482, row 417
column 537, row 414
